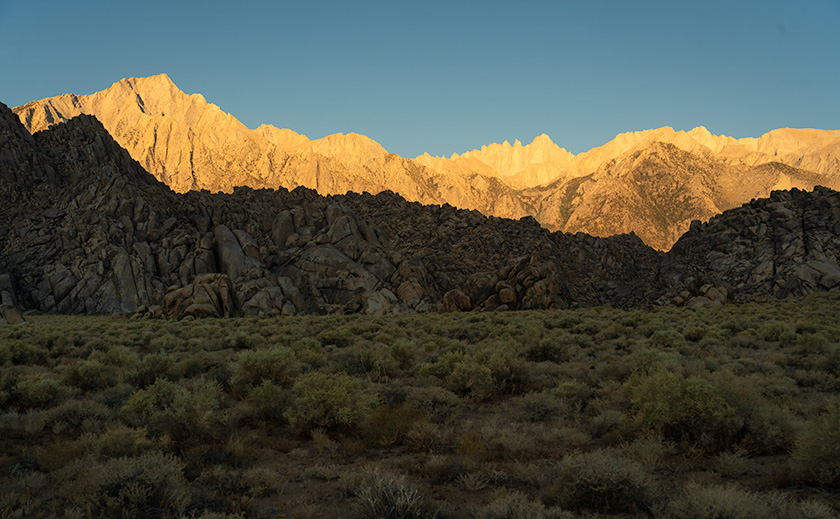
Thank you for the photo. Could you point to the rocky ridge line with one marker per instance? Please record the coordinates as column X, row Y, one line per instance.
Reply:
column 191, row 144
column 87, row 230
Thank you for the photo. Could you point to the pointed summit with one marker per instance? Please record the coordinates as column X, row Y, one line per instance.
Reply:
column 542, row 140
column 188, row 143
column 351, row 148
column 700, row 132
column 156, row 80
column 160, row 85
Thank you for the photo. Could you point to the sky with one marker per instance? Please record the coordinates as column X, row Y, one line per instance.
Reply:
column 444, row 77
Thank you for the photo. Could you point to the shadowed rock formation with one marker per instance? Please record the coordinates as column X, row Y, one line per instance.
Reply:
column 86, row 230
column 784, row 245
column 652, row 183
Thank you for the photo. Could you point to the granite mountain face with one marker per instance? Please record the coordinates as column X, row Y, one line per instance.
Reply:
column 652, row 183
column 192, row 145
column 85, row 229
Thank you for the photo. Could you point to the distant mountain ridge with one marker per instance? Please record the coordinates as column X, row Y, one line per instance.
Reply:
column 653, row 182
column 86, row 229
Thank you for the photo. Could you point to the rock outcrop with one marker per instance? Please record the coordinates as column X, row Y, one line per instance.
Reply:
column 784, row 245
column 651, row 183
column 190, row 144
column 85, row 229
column 100, row 235
column 209, row 295
column 9, row 312
column 656, row 192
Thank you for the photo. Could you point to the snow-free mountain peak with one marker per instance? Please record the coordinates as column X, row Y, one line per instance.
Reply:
column 190, row 144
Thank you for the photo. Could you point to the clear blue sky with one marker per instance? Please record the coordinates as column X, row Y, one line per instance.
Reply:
column 443, row 77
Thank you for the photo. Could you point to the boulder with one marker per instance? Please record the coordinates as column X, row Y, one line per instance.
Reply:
column 209, row 295
column 10, row 315
column 7, row 292
column 228, row 252
column 410, row 292
column 457, row 301
column 507, row 296
column 249, row 246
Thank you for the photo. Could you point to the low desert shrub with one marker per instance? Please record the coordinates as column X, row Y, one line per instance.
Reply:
column 269, row 400
column 732, row 464
column 75, row 416
column 438, row 403
column 648, row 360
column 90, row 374
column 472, row 448
column 508, row 371
column 516, row 505
column 537, row 407
column 253, row 482
column 404, row 353
column 185, row 415
column 375, row 361
column 151, row 485
column 600, row 481
column 384, row 495
column 57, row 454
column 610, row 424
column 687, row 410
column 470, row 378
column 649, row 452
column 730, row 502
column 54, row 341
column 23, row 496
column 549, row 349
column 832, row 359
column 811, row 343
column 34, row 392
column 666, row 339
column 423, row 436
column 208, row 514
column 774, row 330
column 150, row 368
column 119, row 441
column 443, row 365
column 695, row 333
column 245, row 341
column 817, row 452
column 337, row 337
column 440, row 468
column 145, row 403
column 277, row 364
column 767, row 428
column 196, row 415
column 329, row 401
column 17, row 351
column 121, row 357
column 389, row 424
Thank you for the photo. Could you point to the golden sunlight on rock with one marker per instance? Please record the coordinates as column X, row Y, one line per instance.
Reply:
column 619, row 187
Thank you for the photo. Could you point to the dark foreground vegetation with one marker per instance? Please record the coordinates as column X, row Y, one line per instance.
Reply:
column 728, row 412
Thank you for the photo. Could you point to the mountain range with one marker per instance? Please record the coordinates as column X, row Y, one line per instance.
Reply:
column 84, row 228
column 652, row 183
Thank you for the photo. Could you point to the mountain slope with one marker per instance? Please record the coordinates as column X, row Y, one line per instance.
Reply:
column 84, row 229
column 631, row 183
column 657, row 191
